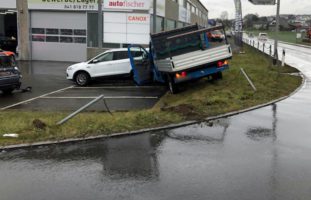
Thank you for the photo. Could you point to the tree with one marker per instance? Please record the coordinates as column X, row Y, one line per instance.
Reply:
column 224, row 15
column 250, row 19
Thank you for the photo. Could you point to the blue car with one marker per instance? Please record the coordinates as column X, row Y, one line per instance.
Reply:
column 10, row 76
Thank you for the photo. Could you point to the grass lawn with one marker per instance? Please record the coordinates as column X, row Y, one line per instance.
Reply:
column 198, row 100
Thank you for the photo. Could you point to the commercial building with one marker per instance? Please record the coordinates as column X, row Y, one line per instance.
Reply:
column 67, row 30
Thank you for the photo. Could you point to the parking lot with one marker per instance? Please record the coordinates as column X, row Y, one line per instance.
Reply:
column 52, row 92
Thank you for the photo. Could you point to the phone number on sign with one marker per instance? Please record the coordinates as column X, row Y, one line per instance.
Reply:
column 80, row 7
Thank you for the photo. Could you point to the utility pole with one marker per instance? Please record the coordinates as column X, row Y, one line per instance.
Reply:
column 154, row 17
column 277, row 27
column 100, row 24
column 23, row 30
column 238, row 25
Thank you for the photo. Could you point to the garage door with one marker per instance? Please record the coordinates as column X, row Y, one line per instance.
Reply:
column 58, row 36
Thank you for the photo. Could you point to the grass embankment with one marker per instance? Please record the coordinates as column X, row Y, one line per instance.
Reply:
column 200, row 99
column 285, row 36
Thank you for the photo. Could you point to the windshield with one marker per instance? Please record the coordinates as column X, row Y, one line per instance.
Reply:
column 217, row 32
column 7, row 61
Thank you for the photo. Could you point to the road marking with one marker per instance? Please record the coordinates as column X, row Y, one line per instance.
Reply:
column 29, row 100
column 118, row 87
column 106, row 97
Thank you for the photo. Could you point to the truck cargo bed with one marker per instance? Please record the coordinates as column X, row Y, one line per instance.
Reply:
column 194, row 59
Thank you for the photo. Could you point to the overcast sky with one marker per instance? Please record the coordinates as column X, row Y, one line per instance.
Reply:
column 216, row 7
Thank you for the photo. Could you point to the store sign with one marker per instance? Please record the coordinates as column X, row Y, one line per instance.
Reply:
column 63, row 4
column 8, row 4
column 160, row 8
column 127, row 4
column 126, row 28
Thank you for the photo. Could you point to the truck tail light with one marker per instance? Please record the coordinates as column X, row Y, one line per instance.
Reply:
column 181, row 75
column 222, row 63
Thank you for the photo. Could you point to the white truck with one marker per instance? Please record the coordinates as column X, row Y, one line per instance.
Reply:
column 181, row 55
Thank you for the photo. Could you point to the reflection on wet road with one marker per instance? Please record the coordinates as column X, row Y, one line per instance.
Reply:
column 262, row 154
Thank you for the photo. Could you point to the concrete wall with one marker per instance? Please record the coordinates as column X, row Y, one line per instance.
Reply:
column 171, row 10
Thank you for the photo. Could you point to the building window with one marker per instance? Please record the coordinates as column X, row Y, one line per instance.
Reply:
column 66, row 39
column 188, row 6
column 38, row 38
column 66, row 31
column 193, row 9
column 38, row 30
column 181, row 3
column 52, row 39
column 180, row 24
column 79, row 32
column 81, row 40
column 52, row 31
column 170, row 24
column 160, row 24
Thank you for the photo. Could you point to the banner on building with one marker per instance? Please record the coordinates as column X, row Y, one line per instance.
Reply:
column 63, row 4
column 126, row 28
column 127, row 4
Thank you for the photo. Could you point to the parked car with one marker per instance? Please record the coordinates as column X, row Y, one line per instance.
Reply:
column 114, row 62
column 216, row 35
column 229, row 33
column 10, row 76
column 8, row 43
column 263, row 37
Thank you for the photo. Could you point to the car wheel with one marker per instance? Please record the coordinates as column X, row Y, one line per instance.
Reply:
column 82, row 78
column 7, row 91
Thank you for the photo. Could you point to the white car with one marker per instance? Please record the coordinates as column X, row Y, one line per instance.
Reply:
column 263, row 37
column 114, row 62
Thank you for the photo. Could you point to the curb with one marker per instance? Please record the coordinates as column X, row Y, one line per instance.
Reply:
column 171, row 126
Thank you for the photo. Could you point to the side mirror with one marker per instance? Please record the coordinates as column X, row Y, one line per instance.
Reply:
column 95, row 61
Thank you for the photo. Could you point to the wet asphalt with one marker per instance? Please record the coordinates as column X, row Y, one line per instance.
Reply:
column 56, row 93
column 260, row 155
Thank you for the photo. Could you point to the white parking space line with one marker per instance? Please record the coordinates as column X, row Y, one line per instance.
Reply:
column 118, row 87
column 32, row 99
column 106, row 97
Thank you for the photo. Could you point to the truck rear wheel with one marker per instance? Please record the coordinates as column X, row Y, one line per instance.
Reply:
column 217, row 76
column 171, row 85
